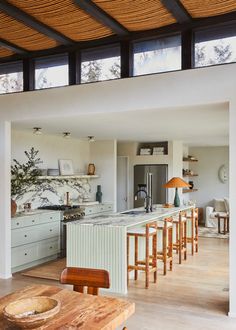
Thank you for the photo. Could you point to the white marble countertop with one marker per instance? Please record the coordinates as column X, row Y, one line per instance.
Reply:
column 129, row 220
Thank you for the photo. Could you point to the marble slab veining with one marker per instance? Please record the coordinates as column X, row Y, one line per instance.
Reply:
column 128, row 220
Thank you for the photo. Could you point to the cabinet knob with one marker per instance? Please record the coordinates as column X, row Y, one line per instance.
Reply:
column 50, row 247
column 32, row 220
column 17, row 223
column 25, row 235
column 50, row 217
column 50, row 229
column 25, row 254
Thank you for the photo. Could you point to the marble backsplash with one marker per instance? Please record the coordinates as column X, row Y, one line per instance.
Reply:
column 53, row 192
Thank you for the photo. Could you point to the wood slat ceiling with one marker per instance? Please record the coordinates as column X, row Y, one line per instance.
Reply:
column 5, row 52
column 23, row 36
column 65, row 17
column 206, row 8
column 137, row 15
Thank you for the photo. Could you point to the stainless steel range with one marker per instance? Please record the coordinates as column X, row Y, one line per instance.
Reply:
column 69, row 214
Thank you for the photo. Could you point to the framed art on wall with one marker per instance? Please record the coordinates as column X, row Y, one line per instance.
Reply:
column 66, row 167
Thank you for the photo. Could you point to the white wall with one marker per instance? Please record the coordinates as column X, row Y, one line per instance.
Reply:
column 209, row 161
column 51, row 149
column 103, row 155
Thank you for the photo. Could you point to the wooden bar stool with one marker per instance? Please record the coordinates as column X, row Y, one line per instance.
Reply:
column 180, row 244
column 149, row 264
column 166, row 255
column 193, row 239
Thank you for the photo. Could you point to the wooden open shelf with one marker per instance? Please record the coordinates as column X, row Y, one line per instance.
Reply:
column 189, row 175
column 63, row 177
column 189, row 190
column 189, row 160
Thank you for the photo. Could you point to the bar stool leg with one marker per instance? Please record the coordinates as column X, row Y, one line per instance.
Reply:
column 185, row 240
column 136, row 256
column 177, row 236
column 180, row 243
column 170, row 246
column 154, row 254
column 147, row 259
column 164, row 242
column 127, row 260
column 192, row 231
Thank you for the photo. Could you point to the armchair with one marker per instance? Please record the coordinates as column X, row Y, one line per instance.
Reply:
column 221, row 206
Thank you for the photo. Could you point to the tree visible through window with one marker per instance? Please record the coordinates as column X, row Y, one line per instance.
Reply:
column 159, row 55
column 100, row 64
column 11, row 78
column 217, row 51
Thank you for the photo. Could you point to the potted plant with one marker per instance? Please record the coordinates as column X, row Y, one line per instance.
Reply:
column 24, row 175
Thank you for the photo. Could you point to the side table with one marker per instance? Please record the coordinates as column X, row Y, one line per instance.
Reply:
column 225, row 218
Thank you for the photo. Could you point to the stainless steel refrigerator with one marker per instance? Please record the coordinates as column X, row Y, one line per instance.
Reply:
column 159, row 178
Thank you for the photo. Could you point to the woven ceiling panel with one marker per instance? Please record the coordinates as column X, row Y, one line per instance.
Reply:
column 204, row 8
column 137, row 15
column 21, row 35
column 5, row 52
column 65, row 17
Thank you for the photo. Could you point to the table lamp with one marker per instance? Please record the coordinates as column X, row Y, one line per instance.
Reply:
column 176, row 183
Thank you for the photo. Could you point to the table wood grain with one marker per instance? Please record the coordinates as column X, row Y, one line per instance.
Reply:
column 78, row 311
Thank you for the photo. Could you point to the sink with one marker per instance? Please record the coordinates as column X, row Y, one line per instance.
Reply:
column 134, row 212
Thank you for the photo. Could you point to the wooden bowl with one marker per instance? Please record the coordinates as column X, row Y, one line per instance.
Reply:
column 31, row 312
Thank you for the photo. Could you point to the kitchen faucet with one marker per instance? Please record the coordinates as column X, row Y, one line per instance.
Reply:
column 148, row 193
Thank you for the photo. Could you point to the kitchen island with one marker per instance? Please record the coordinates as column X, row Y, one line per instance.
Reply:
column 100, row 241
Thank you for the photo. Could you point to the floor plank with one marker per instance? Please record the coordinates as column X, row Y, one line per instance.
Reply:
column 194, row 296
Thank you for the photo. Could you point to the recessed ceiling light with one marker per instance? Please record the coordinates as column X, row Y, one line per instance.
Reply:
column 37, row 130
column 66, row 135
column 91, row 138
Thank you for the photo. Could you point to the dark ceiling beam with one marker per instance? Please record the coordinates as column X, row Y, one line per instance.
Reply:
column 32, row 22
column 177, row 10
column 101, row 16
column 14, row 48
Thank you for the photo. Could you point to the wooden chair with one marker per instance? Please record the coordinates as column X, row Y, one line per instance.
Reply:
column 193, row 239
column 180, row 244
column 166, row 255
column 80, row 278
column 149, row 264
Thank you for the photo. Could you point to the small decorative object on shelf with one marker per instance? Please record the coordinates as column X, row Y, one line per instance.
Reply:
column 99, row 194
column 145, row 151
column 191, row 184
column 91, row 169
column 66, row 167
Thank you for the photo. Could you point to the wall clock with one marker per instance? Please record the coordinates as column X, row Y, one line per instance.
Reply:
column 222, row 174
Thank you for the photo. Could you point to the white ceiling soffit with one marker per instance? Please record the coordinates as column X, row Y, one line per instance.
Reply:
column 205, row 125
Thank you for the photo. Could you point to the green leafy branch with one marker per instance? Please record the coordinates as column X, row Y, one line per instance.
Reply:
column 26, row 174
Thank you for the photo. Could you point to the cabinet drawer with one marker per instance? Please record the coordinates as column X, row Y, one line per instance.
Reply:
column 32, row 234
column 49, row 248
column 100, row 208
column 31, row 220
column 23, row 255
column 32, row 252
column 26, row 221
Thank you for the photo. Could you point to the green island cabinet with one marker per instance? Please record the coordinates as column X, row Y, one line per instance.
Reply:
column 35, row 238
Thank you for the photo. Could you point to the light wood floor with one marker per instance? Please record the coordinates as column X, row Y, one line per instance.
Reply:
column 193, row 296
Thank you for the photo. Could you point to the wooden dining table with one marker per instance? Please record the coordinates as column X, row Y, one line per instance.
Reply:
column 78, row 311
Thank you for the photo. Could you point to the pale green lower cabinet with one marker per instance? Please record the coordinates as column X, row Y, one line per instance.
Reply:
column 35, row 239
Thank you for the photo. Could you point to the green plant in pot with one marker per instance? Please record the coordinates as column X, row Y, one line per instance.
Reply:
column 24, row 175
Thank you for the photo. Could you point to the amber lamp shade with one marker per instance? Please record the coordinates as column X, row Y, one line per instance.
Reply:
column 176, row 183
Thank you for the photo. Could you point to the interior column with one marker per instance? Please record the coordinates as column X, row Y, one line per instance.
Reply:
column 5, row 197
column 232, row 196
